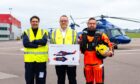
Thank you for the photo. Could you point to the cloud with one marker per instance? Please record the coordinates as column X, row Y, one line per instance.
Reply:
column 50, row 10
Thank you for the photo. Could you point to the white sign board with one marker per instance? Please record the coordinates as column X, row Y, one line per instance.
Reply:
column 64, row 54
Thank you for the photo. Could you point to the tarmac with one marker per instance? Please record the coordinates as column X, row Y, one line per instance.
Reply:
column 122, row 68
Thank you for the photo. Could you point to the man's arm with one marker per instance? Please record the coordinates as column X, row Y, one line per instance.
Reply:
column 106, row 40
column 27, row 43
column 76, row 37
column 42, row 41
column 52, row 37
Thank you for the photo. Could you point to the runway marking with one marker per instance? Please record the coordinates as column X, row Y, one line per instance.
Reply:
column 22, row 49
column 9, row 48
column 5, row 75
column 127, row 50
column 129, row 53
column 10, row 53
column 135, row 51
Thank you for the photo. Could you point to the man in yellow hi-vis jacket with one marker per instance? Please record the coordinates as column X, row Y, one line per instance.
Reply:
column 67, row 36
column 35, row 52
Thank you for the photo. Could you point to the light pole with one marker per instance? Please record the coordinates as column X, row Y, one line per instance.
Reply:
column 10, row 9
column 10, row 29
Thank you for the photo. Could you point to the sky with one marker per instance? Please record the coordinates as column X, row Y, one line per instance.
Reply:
column 50, row 11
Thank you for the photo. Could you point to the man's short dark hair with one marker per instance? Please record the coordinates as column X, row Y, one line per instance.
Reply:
column 64, row 16
column 92, row 18
column 35, row 17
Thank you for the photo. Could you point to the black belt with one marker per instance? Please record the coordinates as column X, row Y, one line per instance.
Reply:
column 91, row 64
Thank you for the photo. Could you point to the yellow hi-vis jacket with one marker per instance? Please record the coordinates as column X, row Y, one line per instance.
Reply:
column 39, row 54
column 70, row 37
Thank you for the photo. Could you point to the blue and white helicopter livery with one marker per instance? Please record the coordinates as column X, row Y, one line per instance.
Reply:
column 115, row 33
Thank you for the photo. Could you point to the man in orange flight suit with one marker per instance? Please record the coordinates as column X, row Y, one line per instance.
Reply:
column 93, row 63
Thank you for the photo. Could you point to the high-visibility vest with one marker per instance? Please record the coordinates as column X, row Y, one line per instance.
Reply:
column 70, row 37
column 39, row 54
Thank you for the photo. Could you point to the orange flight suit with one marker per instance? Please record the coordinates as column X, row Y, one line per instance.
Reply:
column 93, row 66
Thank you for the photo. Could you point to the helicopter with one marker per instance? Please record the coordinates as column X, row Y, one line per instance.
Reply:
column 115, row 33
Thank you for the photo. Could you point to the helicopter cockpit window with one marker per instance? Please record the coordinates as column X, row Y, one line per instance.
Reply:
column 116, row 32
column 123, row 32
column 99, row 22
column 102, row 30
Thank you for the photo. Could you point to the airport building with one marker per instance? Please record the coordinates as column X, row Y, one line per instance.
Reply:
column 10, row 27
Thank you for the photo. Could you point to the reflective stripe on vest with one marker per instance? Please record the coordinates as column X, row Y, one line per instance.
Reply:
column 54, row 37
column 35, row 53
column 73, row 42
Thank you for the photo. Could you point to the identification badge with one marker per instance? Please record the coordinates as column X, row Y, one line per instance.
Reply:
column 41, row 74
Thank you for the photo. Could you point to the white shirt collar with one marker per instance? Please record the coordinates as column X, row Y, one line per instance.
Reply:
column 63, row 32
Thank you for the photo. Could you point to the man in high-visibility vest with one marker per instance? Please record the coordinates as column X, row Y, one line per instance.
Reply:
column 35, row 52
column 67, row 36
column 93, row 61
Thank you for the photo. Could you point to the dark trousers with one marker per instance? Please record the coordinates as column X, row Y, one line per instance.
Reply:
column 62, row 70
column 35, row 72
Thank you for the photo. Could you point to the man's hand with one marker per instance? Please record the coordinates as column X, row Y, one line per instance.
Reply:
column 109, row 54
column 39, row 45
column 79, row 41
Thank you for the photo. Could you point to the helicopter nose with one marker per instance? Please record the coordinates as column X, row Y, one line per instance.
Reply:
column 123, row 39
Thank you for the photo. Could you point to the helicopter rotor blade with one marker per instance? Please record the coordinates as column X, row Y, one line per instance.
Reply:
column 104, row 16
column 77, row 25
column 127, row 19
column 122, row 18
column 74, row 21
